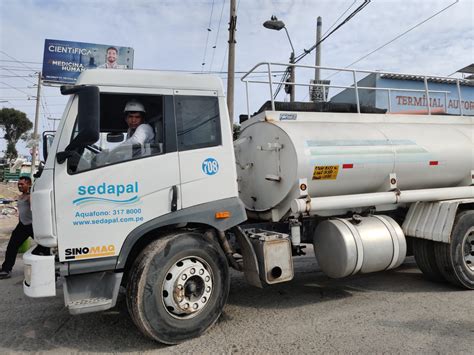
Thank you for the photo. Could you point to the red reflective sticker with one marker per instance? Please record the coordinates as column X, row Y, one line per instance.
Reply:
column 347, row 166
column 433, row 163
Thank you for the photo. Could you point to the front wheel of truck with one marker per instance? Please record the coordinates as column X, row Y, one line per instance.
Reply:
column 178, row 287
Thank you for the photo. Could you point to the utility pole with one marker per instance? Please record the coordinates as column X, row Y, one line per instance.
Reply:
column 292, row 77
column 35, row 128
column 318, row 93
column 319, row 25
column 231, row 63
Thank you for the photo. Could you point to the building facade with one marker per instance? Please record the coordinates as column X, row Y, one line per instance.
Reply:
column 406, row 94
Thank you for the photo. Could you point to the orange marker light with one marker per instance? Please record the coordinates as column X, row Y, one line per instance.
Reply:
column 222, row 215
column 303, row 187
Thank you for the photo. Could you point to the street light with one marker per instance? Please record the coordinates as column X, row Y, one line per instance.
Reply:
column 275, row 24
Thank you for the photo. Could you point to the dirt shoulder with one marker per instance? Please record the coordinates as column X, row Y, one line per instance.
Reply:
column 8, row 215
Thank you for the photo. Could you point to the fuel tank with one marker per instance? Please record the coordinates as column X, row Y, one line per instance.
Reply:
column 347, row 153
column 346, row 247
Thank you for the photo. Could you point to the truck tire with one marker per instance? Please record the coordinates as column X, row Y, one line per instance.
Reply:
column 426, row 260
column 456, row 259
column 178, row 287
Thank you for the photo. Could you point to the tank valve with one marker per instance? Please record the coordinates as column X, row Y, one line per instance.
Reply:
column 356, row 219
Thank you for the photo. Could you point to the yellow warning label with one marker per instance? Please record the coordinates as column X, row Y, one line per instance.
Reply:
column 328, row 172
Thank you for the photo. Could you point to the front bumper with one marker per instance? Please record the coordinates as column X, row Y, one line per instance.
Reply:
column 40, row 275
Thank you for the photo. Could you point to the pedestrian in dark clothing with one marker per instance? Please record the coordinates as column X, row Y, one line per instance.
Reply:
column 22, row 231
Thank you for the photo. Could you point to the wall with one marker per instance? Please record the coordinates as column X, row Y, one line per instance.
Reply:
column 446, row 100
column 366, row 97
column 415, row 102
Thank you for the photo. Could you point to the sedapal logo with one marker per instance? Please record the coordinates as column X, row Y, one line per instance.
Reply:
column 107, row 193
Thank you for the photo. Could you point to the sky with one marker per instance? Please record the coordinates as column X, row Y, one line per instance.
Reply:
column 181, row 35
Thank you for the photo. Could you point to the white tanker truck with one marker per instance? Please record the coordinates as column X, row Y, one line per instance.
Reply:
column 167, row 220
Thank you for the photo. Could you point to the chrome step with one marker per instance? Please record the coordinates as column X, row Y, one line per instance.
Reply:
column 87, row 305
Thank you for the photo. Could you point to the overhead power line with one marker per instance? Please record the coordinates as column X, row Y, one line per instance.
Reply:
column 33, row 105
column 400, row 35
column 14, row 88
column 308, row 51
column 340, row 16
column 217, row 36
column 329, row 29
column 346, row 20
column 18, row 69
column 217, row 71
column 16, row 60
column 32, row 97
column 207, row 37
column 46, row 112
column 16, row 75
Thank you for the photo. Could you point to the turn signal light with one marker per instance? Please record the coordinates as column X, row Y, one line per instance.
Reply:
column 222, row 215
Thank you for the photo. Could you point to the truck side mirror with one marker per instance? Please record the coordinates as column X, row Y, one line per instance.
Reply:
column 48, row 137
column 87, row 116
column 114, row 137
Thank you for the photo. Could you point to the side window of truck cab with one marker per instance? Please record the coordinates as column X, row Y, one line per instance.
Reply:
column 131, row 127
column 198, row 122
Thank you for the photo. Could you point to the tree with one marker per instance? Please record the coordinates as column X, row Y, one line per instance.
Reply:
column 235, row 131
column 15, row 124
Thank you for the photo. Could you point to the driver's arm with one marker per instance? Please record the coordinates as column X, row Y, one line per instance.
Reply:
column 143, row 133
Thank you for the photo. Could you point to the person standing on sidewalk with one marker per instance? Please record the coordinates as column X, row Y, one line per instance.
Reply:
column 23, row 229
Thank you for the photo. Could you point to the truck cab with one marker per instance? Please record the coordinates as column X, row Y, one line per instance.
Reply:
column 98, row 198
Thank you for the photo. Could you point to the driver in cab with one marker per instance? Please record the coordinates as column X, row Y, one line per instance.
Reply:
column 137, row 141
column 139, row 132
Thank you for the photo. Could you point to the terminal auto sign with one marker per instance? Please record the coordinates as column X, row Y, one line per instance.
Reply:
column 63, row 61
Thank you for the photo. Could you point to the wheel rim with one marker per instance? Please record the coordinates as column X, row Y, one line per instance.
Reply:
column 187, row 287
column 469, row 249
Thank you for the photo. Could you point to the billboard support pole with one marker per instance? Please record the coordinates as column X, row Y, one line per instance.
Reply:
column 34, row 150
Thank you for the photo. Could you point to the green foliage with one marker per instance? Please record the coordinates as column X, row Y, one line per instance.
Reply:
column 15, row 124
column 236, row 131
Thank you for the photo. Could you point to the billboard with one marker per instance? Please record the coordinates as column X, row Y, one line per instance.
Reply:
column 63, row 61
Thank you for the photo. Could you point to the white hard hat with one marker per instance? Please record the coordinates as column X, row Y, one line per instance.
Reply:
column 134, row 106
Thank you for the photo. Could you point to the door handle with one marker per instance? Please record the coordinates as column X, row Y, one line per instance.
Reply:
column 174, row 198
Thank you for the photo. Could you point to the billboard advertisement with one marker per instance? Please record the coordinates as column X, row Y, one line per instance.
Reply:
column 63, row 61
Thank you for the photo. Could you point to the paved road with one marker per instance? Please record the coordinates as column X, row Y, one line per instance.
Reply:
column 394, row 312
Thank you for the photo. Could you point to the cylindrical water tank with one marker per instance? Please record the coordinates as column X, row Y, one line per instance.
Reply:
column 345, row 247
column 342, row 154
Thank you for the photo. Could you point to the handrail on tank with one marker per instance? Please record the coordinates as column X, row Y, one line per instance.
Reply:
column 355, row 86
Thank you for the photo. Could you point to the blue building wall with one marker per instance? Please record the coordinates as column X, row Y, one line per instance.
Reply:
column 446, row 101
column 366, row 97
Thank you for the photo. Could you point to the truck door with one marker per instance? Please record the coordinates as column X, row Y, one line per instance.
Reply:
column 110, row 188
column 207, row 163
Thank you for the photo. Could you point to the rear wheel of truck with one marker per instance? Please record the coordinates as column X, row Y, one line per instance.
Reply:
column 178, row 287
column 426, row 260
column 456, row 260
